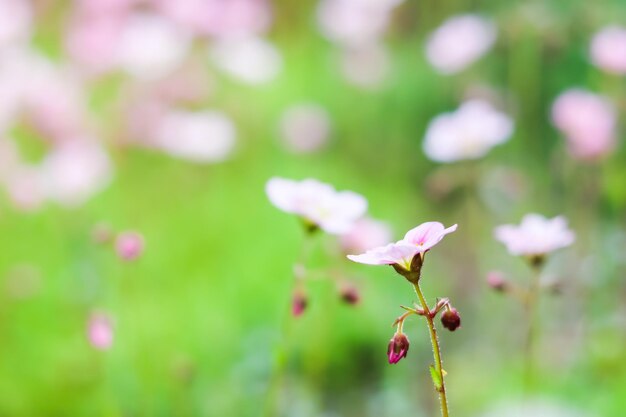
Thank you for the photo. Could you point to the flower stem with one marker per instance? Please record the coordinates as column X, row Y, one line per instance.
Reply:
column 530, row 307
column 436, row 351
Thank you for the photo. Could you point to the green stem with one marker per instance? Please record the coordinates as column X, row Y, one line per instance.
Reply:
column 530, row 308
column 436, row 351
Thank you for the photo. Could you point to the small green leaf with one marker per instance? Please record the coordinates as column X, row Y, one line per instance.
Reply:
column 436, row 378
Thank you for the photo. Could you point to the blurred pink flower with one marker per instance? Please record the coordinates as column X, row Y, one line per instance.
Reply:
column 535, row 236
column 608, row 49
column 151, row 46
column 100, row 331
column 202, row 137
column 459, row 42
column 15, row 22
column 318, row 203
column 353, row 22
column 74, row 171
column 129, row 245
column 417, row 240
column 92, row 42
column 468, row 133
column 588, row 122
column 305, row 127
column 232, row 18
column 251, row 60
column 367, row 233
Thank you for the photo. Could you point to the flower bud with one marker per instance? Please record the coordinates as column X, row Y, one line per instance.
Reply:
column 451, row 319
column 299, row 304
column 497, row 281
column 350, row 294
column 398, row 348
column 129, row 245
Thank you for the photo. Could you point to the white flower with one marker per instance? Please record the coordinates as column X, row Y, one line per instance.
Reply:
column 151, row 47
column 333, row 211
column 251, row 60
column 535, row 236
column 460, row 41
column 202, row 137
column 367, row 233
column 468, row 133
column 608, row 49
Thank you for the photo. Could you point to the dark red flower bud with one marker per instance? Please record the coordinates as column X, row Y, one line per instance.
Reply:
column 350, row 294
column 451, row 319
column 299, row 304
column 398, row 348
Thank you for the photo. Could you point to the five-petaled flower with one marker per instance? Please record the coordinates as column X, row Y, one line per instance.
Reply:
column 416, row 241
column 318, row 204
column 535, row 236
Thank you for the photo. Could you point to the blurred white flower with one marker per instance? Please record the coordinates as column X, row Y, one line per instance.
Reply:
column 232, row 18
column 366, row 234
column 608, row 49
column 74, row 171
column 203, row 137
column 15, row 22
column 353, row 22
column 468, row 133
column 588, row 121
column 317, row 203
column 150, row 46
column 459, row 42
column 366, row 65
column 305, row 127
column 535, row 236
column 251, row 60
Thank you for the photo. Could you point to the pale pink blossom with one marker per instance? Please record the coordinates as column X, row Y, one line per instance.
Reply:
column 459, row 42
column 608, row 49
column 588, row 121
column 305, row 127
column 251, row 60
column 467, row 133
column 15, row 22
column 92, row 42
column 201, row 137
column 100, row 331
column 367, row 233
column 129, row 245
column 317, row 203
column 151, row 46
column 535, row 236
column 74, row 171
column 417, row 240
column 353, row 22
column 232, row 18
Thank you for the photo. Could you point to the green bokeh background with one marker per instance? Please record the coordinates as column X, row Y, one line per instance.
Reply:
column 198, row 318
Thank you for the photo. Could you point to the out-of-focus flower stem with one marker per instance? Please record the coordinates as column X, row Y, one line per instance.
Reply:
column 532, row 298
column 436, row 351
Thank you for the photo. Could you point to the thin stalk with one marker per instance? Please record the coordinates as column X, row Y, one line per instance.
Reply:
column 436, row 351
column 272, row 405
column 530, row 310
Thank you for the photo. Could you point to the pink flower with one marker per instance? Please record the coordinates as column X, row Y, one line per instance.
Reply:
column 398, row 348
column 535, row 236
column 459, row 42
column 305, row 127
column 320, row 204
column 129, row 245
column 15, row 21
column 467, row 133
column 418, row 240
column 100, row 331
column 366, row 65
column 608, row 49
column 366, row 233
column 588, row 121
